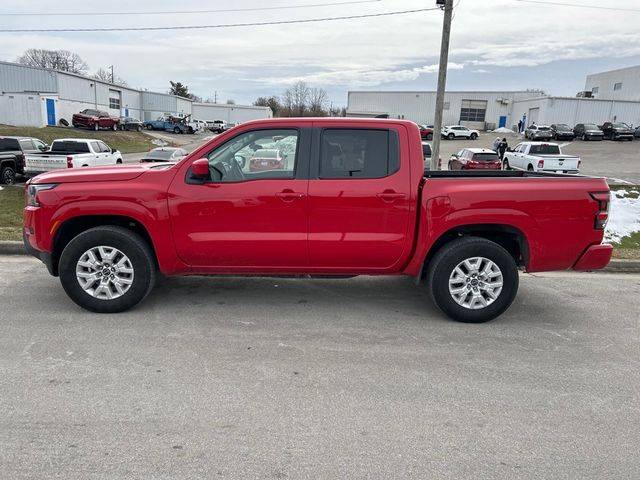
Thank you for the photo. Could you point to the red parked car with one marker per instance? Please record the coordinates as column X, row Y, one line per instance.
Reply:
column 265, row 159
column 475, row 159
column 95, row 120
column 352, row 199
column 426, row 132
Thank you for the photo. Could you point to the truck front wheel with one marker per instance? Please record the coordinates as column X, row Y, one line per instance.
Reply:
column 473, row 280
column 7, row 175
column 107, row 269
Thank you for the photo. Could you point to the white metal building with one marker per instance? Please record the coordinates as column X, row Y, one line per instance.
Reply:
column 621, row 84
column 572, row 110
column 229, row 113
column 32, row 96
column 474, row 109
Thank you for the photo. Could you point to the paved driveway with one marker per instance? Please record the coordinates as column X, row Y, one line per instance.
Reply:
column 332, row 379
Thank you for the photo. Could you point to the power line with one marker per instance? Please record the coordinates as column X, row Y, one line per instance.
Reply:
column 223, row 25
column 561, row 4
column 180, row 12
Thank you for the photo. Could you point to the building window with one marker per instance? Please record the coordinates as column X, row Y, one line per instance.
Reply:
column 114, row 99
column 617, row 86
column 473, row 110
column 594, row 90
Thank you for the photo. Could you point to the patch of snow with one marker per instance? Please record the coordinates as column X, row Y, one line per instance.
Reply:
column 503, row 130
column 0, row 188
column 624, row 216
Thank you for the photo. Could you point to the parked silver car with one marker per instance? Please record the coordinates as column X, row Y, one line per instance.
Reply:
column 538, row 132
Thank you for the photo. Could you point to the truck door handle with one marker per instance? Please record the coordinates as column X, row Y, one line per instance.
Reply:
column 389, row 196
column 289, row 195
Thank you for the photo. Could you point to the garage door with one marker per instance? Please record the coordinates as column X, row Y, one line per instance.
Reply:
column 534, row 113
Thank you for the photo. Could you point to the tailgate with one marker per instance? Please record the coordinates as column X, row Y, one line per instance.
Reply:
column 560, row 163
column 44, row 163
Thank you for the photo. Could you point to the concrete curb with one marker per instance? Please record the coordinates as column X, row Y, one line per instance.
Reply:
column 616, row 266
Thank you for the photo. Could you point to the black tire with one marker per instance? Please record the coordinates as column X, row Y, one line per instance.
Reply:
column 584, row 137
column 139, row 128
column 149, row 127
column 430, row 136
column 114, row 127
column 63, row 122
column 176, row 130
column 473, row 136
column 451, row 136
column 530, row 168
column 8, row 175
column 129, row 243
column 191, row 131
column 119, row 161
column 450, row 256
column 505, row 164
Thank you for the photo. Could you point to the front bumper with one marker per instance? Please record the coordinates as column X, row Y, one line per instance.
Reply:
column 44, row 257
column 595, row 257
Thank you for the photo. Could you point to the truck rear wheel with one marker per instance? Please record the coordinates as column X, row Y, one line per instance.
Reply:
column 7, row 175
column 107, row 269
column 473, row 280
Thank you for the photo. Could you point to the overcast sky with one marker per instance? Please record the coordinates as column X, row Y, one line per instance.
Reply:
column 495, row 44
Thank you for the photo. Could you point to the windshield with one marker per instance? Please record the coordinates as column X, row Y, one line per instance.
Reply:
column 591, row 126
column 620, row 125
column 544, row 128
column 562, row 126
column 485, row 157
column 544, row 149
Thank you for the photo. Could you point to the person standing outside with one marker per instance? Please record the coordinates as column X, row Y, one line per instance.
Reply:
column 519, row 126
column 496, row 142
column 502, row 147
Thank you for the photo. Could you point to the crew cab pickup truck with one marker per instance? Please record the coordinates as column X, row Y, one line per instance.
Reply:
column 352, row 199
column 95, row 120
column 12, row 152
column 72, row 153
column 540, row 157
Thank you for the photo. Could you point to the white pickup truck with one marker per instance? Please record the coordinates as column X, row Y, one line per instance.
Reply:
column 72, row 153
column 540, row 157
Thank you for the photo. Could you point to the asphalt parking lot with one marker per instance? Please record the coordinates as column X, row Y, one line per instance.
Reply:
column 285, row 378
column 614, row 160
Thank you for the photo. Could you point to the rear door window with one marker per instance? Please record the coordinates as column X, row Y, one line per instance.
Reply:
column 485, row 157
column 354, row 153
column 27, row 145
column 9, row 145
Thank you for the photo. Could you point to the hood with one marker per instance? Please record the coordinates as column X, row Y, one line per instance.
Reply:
column 93, row 174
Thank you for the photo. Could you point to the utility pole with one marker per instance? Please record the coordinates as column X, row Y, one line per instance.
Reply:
column 215, row 97
column 442, row 80
column 111, row 67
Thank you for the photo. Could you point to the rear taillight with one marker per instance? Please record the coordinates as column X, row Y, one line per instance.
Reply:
column 69, row 162
column 602, row 215
column 540, row 164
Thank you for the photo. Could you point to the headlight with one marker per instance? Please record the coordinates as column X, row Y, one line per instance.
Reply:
column 32, row 192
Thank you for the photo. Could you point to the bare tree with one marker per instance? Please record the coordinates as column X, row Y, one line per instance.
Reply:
column 55, row 59
column 295, row 100
column 231, row 101
column 317, row 102
column 105, row 76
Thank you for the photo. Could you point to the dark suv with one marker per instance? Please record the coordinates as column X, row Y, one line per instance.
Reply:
column 562, row 131
column 12, row 150
column 617, row 131
column 588, row 131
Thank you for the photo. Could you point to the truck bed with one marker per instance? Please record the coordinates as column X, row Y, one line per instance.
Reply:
column 497, row 174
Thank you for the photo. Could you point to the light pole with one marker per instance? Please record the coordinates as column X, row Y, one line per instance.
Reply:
column 442, row 80
column 111, row 67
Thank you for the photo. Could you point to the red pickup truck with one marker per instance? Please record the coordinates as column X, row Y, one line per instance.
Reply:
column 95, row 119
column 352, row 199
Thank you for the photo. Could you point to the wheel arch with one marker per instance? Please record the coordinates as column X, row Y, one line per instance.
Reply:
column 511, row 238
column 72, row 227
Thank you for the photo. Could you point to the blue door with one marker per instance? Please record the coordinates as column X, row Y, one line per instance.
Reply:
column 502, row 122
column 51, row 112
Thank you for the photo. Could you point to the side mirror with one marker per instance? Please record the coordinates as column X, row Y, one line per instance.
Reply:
column 200, row 168
column 43, row 148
